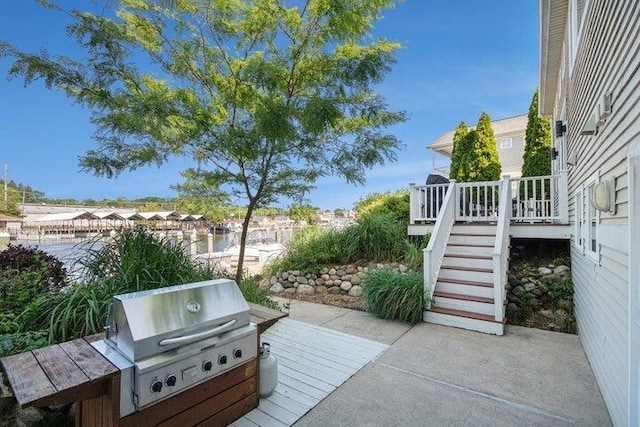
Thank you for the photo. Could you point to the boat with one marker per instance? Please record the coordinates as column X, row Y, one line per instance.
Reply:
column 260, row 247
column 219, row 229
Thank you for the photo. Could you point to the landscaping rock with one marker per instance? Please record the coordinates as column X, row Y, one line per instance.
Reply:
column 321, row 289
column 356, row 280
column 528, row 287
column 518, row 291
column 403, row 268
column 512, row 308
column 276, row 288
column 290, row 291
column 305, row 290
column 561, row 269
column 302, row 280
column 346, row 286
column 334, row 290
column 355, row 291
column 543, row 271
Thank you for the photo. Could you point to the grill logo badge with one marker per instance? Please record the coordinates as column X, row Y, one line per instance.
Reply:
column 193, row 307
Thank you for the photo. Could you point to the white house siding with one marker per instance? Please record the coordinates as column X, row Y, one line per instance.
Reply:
column 607, row 59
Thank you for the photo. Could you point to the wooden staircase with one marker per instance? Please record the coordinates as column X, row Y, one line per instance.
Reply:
column 464, row 291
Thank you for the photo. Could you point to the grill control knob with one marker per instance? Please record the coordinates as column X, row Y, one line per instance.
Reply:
column 237, row 353
column 207, row 366
column 222, row 360
column 156, row 386
column 171, row 380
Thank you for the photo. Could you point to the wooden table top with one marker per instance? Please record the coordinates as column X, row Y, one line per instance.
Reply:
column 58, row 374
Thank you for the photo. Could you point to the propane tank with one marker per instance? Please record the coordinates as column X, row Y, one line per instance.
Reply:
column 268, row 370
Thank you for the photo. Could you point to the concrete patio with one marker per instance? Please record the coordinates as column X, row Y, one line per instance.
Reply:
column 438, row 375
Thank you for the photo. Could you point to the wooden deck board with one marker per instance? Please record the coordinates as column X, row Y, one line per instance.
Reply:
column 312, row 362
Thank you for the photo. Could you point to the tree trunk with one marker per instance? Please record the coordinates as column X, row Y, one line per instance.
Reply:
column 243, row 240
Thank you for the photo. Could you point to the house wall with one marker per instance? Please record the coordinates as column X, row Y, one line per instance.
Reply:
column 606, row 60
column 511, row 158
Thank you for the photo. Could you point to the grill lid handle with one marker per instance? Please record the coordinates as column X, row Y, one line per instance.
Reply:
column 193, row 337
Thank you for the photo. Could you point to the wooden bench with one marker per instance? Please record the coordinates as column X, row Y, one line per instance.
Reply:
column 75, row 372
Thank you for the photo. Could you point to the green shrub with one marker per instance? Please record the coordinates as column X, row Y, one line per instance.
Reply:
column 309, row 250
column 393, row 203
column 561, row 289
column 136, row 260
column 20, row 342
column 565, row 260
column 27, row 276
column 132, row 261
column 376, row 237
column 391, row 295
column 17, row 259
column 252, row 292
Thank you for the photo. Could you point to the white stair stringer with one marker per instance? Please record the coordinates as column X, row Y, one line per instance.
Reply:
column 464, row 294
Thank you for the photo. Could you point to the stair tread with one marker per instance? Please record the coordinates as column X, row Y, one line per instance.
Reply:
column 470, row 256
column 476, row 269
column 452, row 295
column 466, row 282
column 473, row 234
column 472, row 245
column 462, row 313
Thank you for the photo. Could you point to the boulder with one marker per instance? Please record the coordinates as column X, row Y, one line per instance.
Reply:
column 518, row 291
column 543, row 271
column 346, row 286
column 305, row 290
column 276, row 288
column 355, row 291
column 302, row 280
column 561, row 269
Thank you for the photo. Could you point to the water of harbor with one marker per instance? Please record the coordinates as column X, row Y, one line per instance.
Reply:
column 70, row 250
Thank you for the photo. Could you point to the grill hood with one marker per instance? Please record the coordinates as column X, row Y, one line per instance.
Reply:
column 147, row 323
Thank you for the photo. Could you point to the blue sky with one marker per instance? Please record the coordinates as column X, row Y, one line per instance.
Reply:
column 460, row 57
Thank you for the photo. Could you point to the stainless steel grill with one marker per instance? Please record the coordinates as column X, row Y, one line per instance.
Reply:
column 166, row 340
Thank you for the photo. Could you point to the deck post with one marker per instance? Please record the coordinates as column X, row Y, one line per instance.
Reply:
column 412, row 202
column 563, row 188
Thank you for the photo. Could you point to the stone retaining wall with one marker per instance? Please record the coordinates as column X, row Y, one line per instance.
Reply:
column 342, row 279
column 530, row 291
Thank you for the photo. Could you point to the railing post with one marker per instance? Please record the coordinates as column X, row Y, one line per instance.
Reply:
column 563, row 188
column 412, row 202
column 456, row 201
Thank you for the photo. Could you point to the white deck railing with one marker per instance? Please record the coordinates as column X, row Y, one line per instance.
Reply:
column 477, row 201
column 434, row 252
column 425, row 201
column 501, row 250
column 533, row 199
